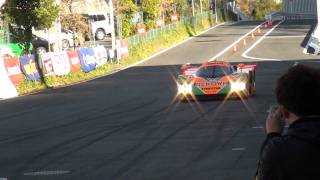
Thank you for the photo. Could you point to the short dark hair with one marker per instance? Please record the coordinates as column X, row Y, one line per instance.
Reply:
column 298, row 90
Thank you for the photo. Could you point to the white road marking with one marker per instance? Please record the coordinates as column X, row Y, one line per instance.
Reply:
column 239, row 149
column 45, row 173
column 233, row 44
column 244, row 54
column 284, row 37
column 3, row 178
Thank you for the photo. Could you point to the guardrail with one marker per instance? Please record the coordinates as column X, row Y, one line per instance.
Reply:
column 274, row 16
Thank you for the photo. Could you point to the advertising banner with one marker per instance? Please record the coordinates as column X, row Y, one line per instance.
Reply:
column 29, row 67
column 13, row 70
column 7, row 89
column 101, row 55
column 124, row 48
column 47, row 64
column 87, row 59
column 74, row 61
column 60, row 63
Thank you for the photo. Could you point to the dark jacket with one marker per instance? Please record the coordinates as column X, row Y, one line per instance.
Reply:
column 293, row 156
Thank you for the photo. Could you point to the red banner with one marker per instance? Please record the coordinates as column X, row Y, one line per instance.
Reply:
column 74, row 61
column 13, row 70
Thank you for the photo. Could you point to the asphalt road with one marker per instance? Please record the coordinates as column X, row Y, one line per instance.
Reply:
column 130, row 126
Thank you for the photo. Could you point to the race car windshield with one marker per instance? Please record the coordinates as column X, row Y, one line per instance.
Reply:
column 213, row 71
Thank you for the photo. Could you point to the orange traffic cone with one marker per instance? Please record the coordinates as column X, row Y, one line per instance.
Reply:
column 259, row 30
column 235, row 49
column 244, row 42
column 252, row 35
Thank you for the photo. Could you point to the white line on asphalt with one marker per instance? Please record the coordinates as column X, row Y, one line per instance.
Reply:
column 3, row 178
column 284, row 37
column 45, row 173
column 233, row 44
column 258, row 42
column 238, row 149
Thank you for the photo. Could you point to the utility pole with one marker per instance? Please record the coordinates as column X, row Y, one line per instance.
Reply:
column 215, row 11
column 113, row 35
column 192, row 7
column 200, row 7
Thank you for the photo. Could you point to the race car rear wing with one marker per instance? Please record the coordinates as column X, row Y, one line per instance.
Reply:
column 189, row 70
column 246, row 68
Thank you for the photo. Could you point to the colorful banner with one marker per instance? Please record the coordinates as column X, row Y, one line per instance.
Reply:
column 47, row 64
column 74, row 61
column 29, row 67
column 60, row 63
column 13, row 70
column 101, row 55
column 87, row 59
column 7, row 89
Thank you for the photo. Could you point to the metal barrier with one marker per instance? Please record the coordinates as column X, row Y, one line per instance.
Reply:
column 274, row 16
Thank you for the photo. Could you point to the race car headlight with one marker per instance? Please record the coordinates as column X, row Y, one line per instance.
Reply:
column 238, row 86
column 185, row 88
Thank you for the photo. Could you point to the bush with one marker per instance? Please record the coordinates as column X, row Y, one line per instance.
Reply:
column 127, row 8
column 264, row 7
column 151, row 11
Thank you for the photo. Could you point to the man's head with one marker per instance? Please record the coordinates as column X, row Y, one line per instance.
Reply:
column 298, row 91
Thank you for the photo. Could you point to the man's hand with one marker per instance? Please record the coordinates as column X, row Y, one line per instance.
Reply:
column 275, row 121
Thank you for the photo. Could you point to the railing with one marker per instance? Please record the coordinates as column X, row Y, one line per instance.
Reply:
column 274, row 16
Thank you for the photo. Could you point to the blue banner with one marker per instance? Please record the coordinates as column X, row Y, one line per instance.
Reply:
column 29, row 67
column 87, row 59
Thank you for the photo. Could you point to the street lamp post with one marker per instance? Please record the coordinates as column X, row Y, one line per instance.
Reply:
column 215, row 10
column 192, row 4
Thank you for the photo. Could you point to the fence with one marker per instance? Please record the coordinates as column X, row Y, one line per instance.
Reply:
column 158, row 32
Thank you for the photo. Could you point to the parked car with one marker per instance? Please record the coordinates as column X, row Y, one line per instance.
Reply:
column 100, row 24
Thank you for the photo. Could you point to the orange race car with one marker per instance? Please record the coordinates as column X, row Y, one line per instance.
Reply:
column 216, row 78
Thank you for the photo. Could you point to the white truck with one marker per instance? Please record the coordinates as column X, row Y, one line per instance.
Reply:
column 100, row 24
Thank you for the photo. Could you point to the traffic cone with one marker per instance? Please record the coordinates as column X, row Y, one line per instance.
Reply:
column 244, row 42
column 252, row 35
column 235, row 49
